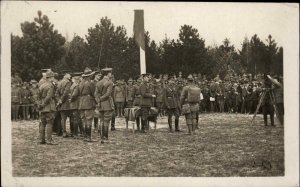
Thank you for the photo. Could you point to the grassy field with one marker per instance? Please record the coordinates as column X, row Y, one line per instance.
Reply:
column 225, row 145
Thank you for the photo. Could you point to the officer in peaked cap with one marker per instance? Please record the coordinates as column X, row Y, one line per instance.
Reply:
column 74, row 105
column 146, row 100
column 170, row 100
column 87, row 102
column 47, row 109
column 63, row 105
column 97, row 78
column 105, row 103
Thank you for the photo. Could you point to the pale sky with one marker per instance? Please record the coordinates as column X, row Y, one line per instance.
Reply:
column 214, row 21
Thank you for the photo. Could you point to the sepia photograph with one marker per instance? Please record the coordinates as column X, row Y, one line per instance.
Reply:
column 149, row 93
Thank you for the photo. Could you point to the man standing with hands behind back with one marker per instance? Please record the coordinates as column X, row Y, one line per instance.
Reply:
column 105, row 103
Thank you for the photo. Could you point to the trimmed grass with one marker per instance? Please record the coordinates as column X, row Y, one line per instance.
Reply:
column 225, row 145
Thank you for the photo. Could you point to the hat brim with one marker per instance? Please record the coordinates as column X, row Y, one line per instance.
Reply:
column 87, row 75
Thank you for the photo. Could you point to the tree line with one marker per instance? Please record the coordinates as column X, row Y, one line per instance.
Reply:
column 107, row 45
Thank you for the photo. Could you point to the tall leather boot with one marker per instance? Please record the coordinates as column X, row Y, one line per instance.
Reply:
column 177, row 125
column 190, row 128
column 197, row 121
column 272, row 120
column 113, row 124
column 42, row 134
column 89, row 130
column 266, row 120
column 85, row 133
column 138, row 127
column 170, row 124
column 143, row 125
column 95, row 124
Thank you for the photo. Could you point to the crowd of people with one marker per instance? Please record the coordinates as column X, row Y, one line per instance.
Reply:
column 85, row 97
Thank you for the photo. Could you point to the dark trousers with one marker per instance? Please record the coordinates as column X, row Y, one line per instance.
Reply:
column 76, row 121
column 57, row 124
column 280, row 110
column 64, row 115
column 268, row 109
column 145, row 113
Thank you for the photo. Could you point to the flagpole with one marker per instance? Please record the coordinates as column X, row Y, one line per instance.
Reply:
column 142, row 61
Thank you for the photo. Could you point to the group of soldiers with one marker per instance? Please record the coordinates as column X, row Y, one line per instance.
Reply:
column 87, row 96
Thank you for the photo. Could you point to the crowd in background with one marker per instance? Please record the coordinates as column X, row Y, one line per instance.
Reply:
column 233, row 94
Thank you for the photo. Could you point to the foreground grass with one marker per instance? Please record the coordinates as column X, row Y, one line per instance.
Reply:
column 225, row 145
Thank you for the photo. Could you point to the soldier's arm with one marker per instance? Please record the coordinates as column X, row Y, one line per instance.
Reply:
column 75, row 93
column 164, row 97
column 108, row 93
column 274, row 81
column 66, row 92
column 183, row 95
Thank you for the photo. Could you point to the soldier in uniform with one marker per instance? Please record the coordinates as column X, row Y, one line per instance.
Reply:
column 278, row 94
column 15, row 101
column 34, row 99
column 170, row 101
column 63, row 105
column 146, row 100
column 190, row 107
column 119, row 98
column 137, row 98
column 220, row 97
column 98, row 77
column 213, row 93
column 267, row 105
column 159, row 97
column 74, row 104
column 25, row 100
column 47, row 109
column 87, row 103
column 129, row 94
column 105, row 104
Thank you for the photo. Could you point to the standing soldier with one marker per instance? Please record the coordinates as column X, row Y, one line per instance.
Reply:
column 267, row 105
column 205, row 93
column 213, row 93
column 159, row 97
column 103, row 95
column 129, row 94
column 278, row 94
column 25, row 100
column 87, row 103
column 189, row 100
column 74, row 104
column 15, row 100
column 34, row 99
column 63, row 93
column 137, row 99
column 47, row 109
column 170, row 101
column 119, row 98
column 220, row 97
column 146, row 100
column 98, row 77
